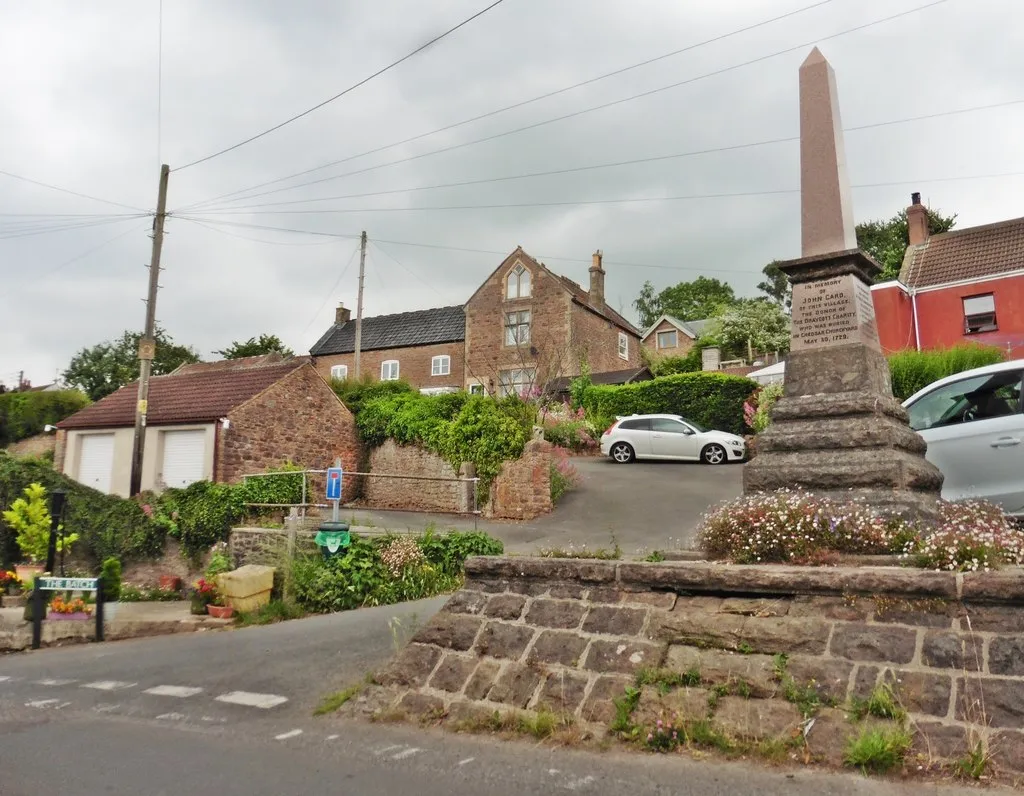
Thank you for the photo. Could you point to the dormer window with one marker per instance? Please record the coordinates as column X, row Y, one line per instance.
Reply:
column 517, row 283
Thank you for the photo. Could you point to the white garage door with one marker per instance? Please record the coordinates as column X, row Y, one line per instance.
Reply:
column 96, row 462
column 184, row 459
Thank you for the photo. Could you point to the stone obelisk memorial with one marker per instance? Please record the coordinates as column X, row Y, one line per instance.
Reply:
column 837, row 430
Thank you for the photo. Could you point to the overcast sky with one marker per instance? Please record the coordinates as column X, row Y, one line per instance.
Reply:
column 80, row 110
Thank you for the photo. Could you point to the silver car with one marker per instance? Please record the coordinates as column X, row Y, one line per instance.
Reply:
column 669, row 437
column 974, row 428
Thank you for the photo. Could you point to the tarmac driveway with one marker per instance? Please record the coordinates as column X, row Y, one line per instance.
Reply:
column 643, row 506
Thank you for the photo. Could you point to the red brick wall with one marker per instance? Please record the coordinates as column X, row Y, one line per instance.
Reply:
column 894, row 317
column 597, row 340
column 413, row 364
column 298, row 419
column 522, row 489
column 940, row 315
column 683, row 341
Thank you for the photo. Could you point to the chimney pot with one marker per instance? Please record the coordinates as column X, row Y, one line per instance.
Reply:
column 342, row 314
column 917, row 220
column 597, row 280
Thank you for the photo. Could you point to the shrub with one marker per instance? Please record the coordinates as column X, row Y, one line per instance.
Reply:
column 24, row 414
column 356, row 392
column 106, row 524
column 710, row 399
column 971, row 535
column 219, row 562
column 914, row 370
column 761, row 417
column 386, row 570
column 564, row 475
column 282, row 485
column 690, row 362
column 110, row 577
column 205, row 513
column 29, row 517
column 791, row 527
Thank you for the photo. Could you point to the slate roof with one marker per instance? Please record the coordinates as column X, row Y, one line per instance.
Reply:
column 963, row 254
column 561, row 384
column 200, row 396
column 402, row 330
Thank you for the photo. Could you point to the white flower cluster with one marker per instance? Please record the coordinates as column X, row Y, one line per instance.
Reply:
column 401, row 553
column 972, row 535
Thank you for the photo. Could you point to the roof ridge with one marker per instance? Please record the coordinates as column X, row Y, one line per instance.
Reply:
column 980, row 228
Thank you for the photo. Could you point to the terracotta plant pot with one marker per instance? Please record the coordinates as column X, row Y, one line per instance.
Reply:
column 28, row 572
column 220, row 611
column 170, row 583
column 80, row 616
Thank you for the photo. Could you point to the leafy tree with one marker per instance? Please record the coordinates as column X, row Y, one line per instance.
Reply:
column 253, row 347
column 704, row 297
column 887, row 240
column 758, row 322
column 108, row 366
column 776, row 286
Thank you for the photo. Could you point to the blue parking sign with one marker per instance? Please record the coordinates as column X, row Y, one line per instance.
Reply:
column 334, row 475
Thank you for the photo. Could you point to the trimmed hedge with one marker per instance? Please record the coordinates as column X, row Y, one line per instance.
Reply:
column 24, row 414
column 108, row 526
column 714, row 400
column 914, row 370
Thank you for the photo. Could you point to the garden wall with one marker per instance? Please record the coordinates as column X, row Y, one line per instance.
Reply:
column 522, row 489
column 759, row 650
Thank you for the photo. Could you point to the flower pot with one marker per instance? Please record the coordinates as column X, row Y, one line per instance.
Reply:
column 79, row 616
column 170, row 582
column 27, row 572
column 14, row 589
column 220, row 611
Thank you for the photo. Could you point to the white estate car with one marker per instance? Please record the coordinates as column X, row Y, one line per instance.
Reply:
column 974, row 428
column 669, row 437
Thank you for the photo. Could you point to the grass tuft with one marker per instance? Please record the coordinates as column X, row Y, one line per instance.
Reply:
column 272, row 612
column 332, row 702
column 882, row 703
column 974, row 763
column 877, row 750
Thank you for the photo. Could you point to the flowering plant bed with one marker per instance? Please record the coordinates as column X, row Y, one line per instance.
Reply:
column 76, row 609
column 204, row 594
column 10, row 583
column 796, row 527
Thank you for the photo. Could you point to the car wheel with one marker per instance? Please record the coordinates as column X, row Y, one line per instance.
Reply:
column 714, row 454
column 622, row 453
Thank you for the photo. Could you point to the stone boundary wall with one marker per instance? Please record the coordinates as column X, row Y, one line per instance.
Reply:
column 522, row 489
column 571, row 635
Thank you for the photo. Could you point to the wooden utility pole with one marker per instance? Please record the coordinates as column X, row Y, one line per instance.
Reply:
column 147, row 345
column 359, row 299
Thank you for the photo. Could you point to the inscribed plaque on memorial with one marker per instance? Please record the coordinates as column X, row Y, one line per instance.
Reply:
column 833, row 312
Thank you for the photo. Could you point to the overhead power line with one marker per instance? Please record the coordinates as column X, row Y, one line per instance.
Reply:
column 68, row 191
column 331, row 292
column 340, row 94
column 64, row 228
column 522, row 103
column 614, row 164
column 87, row 252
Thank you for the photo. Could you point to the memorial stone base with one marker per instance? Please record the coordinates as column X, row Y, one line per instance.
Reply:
column 837, row 431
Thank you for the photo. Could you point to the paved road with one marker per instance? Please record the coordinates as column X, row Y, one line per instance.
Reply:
column 643, row 506
column 149, row 717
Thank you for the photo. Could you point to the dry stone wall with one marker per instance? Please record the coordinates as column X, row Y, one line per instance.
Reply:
column 760, row 649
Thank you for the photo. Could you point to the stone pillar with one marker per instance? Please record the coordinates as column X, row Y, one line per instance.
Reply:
column 837, row 430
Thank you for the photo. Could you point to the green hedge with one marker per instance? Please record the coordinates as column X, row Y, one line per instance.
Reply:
column 24, row 414
column 107, row 525
column 714, row 400
column 457, row 427
column 914, row 370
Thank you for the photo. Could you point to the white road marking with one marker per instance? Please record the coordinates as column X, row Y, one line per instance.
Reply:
column 578, row 783
column 55, row 681
column 332, row 737
column 554, row 772
column 284, row 736
column 252, row 700
column 4, row 678
column 467, row 760
column 405, row 753
column 171, row 716
column 173, row 691
column 387, row 749
column 108, row 708
column 213, row 719
column 42, row 703
column 109, row 685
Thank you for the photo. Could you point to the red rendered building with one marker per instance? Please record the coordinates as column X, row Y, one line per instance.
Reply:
column 961, row 286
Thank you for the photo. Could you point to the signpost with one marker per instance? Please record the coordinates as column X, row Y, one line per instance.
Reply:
column 42, row 584
column 332, row 537
column 334, row 479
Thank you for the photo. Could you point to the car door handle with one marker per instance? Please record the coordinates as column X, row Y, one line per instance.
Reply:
column 1006, row 442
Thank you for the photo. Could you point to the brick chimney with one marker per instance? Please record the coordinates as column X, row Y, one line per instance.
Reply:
column 597, row 281
column 917, row 220
column 342, row 315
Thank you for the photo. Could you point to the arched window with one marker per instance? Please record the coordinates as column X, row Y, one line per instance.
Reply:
column 517, row 283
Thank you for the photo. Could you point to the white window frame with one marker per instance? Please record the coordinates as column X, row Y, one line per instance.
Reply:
column 623, row 345
column 339, row 372
column 980, row 313
column 675, row 338
column 441, row 365
column 478, row 388
column 518, row 282
column 385, row 370
column 517, row 330
column 516, row 381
